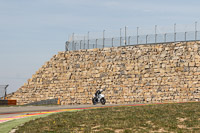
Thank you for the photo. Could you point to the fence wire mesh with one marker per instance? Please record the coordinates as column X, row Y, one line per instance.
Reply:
column 133, row 40
column 3, row 91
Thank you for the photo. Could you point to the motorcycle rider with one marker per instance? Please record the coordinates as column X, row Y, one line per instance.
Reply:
column 98, row 92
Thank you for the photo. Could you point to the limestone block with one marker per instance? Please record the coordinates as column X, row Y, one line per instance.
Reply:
column 191, row 64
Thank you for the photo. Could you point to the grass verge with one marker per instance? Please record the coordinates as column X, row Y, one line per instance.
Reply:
column 181, row 117
column 6, row 127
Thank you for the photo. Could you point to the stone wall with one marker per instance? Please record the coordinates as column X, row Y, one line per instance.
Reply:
column 132, row 74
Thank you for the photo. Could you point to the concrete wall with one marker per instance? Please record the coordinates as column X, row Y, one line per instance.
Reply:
column 131, row 74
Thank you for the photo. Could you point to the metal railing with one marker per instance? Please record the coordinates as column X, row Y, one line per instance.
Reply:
column 132, row 40
column 3, row 91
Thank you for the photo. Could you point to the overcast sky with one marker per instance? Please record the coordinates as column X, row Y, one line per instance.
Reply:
column 32, row 31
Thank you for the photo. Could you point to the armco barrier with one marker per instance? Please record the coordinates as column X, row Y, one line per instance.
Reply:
column 12, row 102
column 8, row 102
column 3, row 102
column 46, row 102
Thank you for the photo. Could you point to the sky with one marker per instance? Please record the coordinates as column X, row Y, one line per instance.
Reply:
column 32, row 31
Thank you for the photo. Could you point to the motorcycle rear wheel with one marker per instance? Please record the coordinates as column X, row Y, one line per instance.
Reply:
column 103, row 101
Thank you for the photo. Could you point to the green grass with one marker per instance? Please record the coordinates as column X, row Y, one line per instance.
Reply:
column 182, row 117
column 6, row 127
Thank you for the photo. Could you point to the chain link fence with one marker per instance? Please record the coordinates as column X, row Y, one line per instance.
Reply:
column 90, row 42
column 3, row 91
column 133, row 40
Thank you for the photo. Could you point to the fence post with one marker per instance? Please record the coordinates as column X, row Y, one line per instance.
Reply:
column 75, row 45
column 96, row 42
column 155, row 33
column 120, row 36
column 67, row 46
column 185, row 36
column 195, row 31
column 112, row 41
column 73, row 41
column 84, row 43
column 129, row 40
column 125, row 35
column 137, row 34
column 80, row 44
column 175, row 32
column 146, row 39
column 103, row 38
column 88, row 39
column 165, row 37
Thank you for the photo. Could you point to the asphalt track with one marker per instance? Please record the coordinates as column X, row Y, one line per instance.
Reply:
column 18, row 109
column 17, row 112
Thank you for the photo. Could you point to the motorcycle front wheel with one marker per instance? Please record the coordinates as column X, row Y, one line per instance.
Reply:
column 94, row 101
column 103, row 101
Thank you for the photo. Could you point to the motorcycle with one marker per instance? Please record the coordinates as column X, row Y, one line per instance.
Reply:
column 98, row 98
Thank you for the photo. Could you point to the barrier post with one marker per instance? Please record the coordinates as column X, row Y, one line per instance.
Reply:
column 58, row 101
